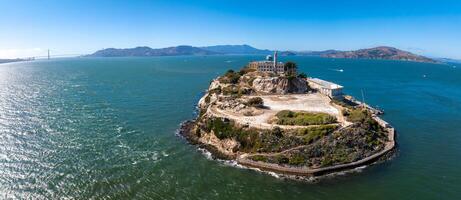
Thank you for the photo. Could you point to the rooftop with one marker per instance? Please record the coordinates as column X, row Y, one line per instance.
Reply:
column 325, row 84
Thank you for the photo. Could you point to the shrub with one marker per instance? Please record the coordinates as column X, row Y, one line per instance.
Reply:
column 296, row 159
column 259, row 158
column 302, row 75
column 216, row 90
column 281, row 159
column 230, row 77
column 314, row 133
column 255, row 102
column 245, row 70
column 230, row 90
column 277, row 131
column 222, row 129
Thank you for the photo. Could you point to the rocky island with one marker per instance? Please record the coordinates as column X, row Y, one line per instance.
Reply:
column 267, row 116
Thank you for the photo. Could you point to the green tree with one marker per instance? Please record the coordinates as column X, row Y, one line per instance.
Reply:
column 302, row 75
column 290, row 67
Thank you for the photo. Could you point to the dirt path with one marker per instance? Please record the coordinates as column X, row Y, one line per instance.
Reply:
column 275, row 103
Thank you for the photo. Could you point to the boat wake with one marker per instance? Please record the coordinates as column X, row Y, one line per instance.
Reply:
column 337, row 70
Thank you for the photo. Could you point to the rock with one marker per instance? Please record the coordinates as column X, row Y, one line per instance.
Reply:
column 279, row 85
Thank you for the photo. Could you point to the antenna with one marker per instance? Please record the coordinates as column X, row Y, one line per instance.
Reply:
column 48, row 54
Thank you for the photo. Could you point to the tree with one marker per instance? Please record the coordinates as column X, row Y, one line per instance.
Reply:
column 290, row 67
column 302, row 75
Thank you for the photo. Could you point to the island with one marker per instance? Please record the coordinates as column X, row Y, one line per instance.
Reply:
column 270, row 117
column 382, row 52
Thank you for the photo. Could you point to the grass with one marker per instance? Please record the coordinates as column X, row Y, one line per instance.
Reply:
column 357, row 115
column 286, row 117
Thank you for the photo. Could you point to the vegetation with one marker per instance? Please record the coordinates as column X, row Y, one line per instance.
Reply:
column 235, row 90
column 357, row 115
column 231, row 90
column 312, row 134
column 296, row 159
column 290, row 67
column 286, row 117
column 230, row 77
column 245, row 70
column 344, row 103
column 302, row 75
column 250, row 139
column 207, row 99
column 250, row 81
column 259, row 158
column 216, row 90
column 255, row 102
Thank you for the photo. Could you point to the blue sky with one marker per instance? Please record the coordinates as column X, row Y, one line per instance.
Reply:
column 428, row 27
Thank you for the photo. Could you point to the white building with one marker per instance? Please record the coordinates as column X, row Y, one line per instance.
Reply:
column 271, row 65
column 327, row 88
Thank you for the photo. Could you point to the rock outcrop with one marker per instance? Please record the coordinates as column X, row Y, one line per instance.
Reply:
column 279, row 85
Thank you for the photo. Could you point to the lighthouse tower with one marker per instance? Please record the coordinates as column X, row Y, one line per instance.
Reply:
column 275, row 62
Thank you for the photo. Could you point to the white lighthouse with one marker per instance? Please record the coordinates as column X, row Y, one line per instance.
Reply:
column 275, row 62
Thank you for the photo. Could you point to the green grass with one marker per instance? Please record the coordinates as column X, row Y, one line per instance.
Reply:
column 286, row 117
column 357, row 115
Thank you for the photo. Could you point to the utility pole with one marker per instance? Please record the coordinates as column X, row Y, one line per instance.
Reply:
column 363, row 98
column 48, row 54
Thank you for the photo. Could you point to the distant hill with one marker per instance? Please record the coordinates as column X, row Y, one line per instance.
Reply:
column 147, row 51
column 383, row 52
column 15, row 60
column 307, row 53
column 237, row 49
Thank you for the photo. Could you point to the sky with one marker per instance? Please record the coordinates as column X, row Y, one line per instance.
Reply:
column 426, row 27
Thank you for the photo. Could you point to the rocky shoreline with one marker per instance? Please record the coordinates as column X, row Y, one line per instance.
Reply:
column 186, row 131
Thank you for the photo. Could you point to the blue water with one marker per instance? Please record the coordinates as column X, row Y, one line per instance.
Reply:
column 104, row 128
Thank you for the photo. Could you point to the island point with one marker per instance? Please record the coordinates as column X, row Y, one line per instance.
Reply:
column 270, row 117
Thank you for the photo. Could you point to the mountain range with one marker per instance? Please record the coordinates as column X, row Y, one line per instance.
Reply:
column 382, row 52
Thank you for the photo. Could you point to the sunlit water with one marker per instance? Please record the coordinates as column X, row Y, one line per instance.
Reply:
column 105, row 129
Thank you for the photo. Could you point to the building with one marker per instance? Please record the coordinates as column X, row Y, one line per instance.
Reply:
column 271, row 65
column 327, row 88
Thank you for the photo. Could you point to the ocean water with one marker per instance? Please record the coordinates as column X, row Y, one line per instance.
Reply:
column 104, row 128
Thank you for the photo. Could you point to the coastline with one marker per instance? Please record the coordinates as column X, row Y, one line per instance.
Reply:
column 185, row 131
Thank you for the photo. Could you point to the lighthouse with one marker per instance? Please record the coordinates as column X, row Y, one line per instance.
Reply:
column 275, row 62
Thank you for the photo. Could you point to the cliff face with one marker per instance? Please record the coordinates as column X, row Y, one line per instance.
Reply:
column 279, row 85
